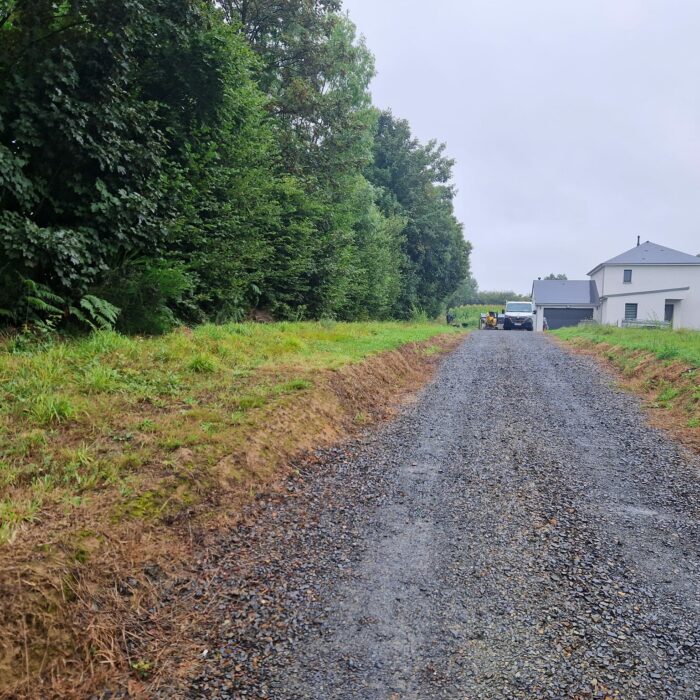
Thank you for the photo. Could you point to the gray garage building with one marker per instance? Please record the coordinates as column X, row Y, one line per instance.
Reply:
column 564, row 302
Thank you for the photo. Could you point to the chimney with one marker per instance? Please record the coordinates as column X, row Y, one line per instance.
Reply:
column 638, row 237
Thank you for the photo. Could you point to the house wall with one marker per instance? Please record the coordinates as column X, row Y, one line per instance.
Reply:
column 602, row 312
column 650, row 307
column 647, row 278
column 539, row 318
column 599, row 279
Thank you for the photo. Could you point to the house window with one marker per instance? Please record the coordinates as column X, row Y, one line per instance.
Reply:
column 627, row 276
column 630, row 312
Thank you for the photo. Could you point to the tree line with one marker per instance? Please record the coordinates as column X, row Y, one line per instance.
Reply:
column 193, row 160
column 467, row 293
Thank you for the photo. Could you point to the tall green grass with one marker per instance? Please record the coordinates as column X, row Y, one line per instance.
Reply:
column 468, row 316
column 664, row 343
column 50, row 385
column 84, row 414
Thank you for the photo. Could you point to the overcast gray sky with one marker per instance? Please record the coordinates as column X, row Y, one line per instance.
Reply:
column 575, row 123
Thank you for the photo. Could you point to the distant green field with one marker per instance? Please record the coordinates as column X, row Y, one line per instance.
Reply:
column 665, row 344
column 469, row 315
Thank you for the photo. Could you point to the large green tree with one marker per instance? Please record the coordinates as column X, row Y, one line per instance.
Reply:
column 416, row 183
column 467, row 292
column 194, row 159
column 100, row 113
column 81, row 152
column 136, row 156
column 316, row 74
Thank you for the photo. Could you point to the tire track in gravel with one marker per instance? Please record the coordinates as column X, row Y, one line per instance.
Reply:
column 519, row 532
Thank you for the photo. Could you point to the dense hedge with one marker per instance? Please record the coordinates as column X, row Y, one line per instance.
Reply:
column 166, row 160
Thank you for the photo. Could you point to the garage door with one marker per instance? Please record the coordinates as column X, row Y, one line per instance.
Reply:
column 558, row 318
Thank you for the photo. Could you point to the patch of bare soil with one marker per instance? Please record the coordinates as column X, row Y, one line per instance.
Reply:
column 102, row 608
column 670, row 389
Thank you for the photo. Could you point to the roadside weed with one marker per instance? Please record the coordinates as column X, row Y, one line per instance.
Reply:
column 202, row 364
column 293, row 385
column 16, row 512
column 100, row 379
column 147, row 426
column 47, row 409
column 668, row 394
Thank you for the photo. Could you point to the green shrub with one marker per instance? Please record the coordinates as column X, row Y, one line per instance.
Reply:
column 147, row 292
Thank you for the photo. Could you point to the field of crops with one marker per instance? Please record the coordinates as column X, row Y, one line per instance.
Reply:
column 468, row 316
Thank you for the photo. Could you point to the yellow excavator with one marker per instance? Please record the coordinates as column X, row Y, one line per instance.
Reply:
column 489, row 321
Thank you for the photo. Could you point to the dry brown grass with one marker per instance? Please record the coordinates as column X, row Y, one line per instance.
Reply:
column 88, row 592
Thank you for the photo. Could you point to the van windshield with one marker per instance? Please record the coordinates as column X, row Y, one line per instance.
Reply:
column 523, row 306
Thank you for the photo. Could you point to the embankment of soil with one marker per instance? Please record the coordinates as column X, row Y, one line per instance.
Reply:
column 101, row 611
column 670, row 389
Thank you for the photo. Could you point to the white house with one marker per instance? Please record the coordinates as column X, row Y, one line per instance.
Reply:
column 649, row 282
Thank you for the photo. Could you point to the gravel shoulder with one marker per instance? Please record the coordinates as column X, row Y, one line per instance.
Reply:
column 517, row 532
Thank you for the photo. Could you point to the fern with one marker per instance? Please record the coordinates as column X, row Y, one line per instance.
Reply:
column 39, row 304
column 40, row 308
column 41, row 292
column 102, row 314
column 80, row 316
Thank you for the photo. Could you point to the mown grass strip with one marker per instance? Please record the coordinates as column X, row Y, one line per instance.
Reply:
column 86, row 414
column 664, row 344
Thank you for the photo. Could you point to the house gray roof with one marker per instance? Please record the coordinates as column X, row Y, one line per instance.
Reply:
column 649, row 253
column 565, row 292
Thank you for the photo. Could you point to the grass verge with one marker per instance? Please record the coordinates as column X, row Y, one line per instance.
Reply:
column 118, row 455
column 664, row 344
column 663, row 366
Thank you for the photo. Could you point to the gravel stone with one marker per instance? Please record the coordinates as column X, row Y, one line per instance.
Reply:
column 517, row 532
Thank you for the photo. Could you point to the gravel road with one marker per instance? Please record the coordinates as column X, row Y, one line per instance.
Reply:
column 517, row 532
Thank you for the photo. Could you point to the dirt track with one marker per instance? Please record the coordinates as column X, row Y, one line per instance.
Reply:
column 518, row 532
